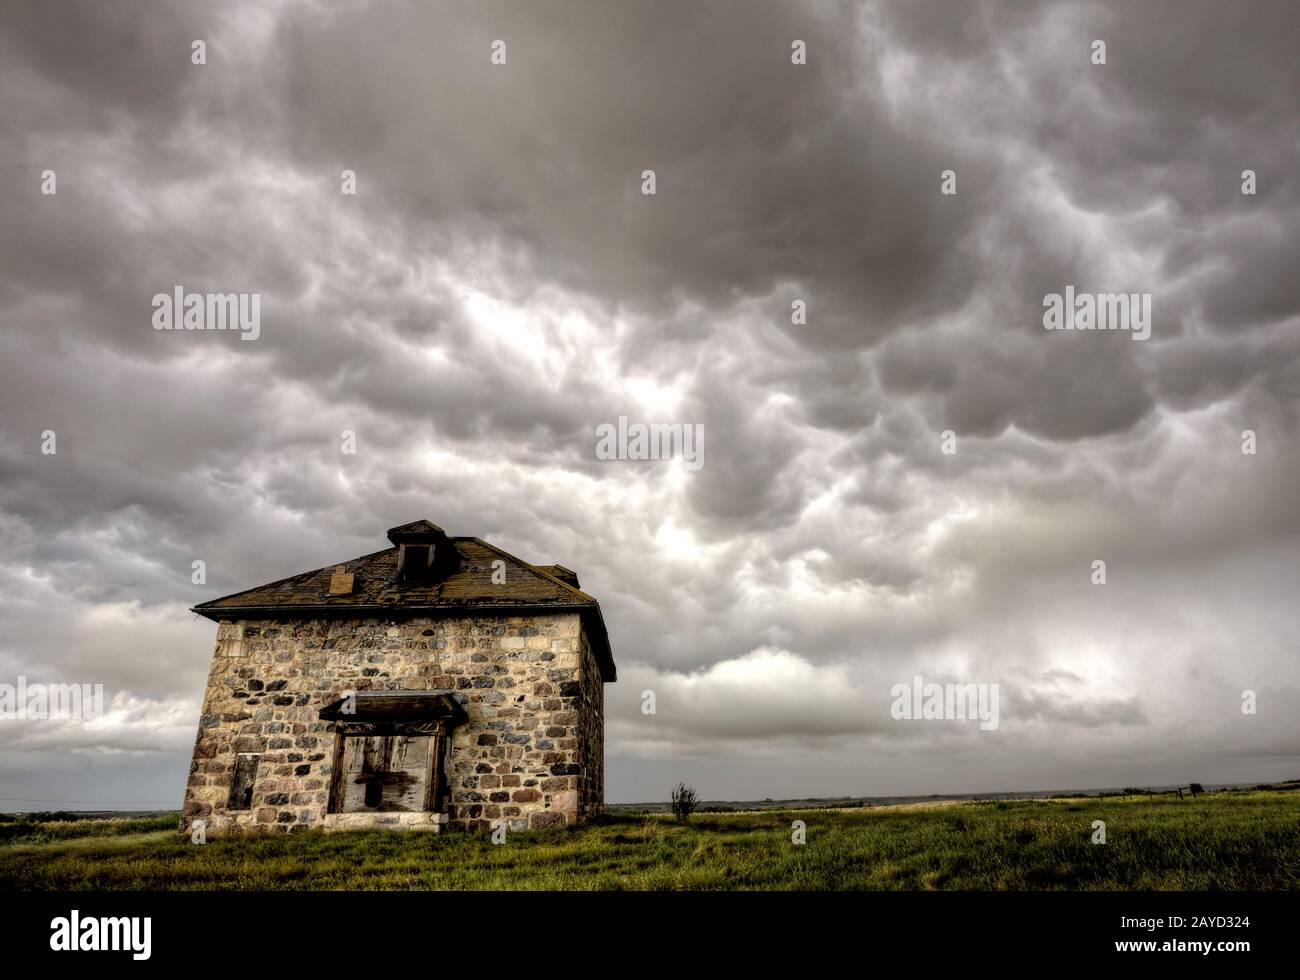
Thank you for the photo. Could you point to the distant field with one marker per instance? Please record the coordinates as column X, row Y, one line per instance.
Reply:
column 1225, row 840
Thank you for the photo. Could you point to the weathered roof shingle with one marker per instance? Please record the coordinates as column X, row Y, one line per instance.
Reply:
column 377, row 590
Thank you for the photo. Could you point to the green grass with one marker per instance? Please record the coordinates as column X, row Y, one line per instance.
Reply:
column 48, row 831
column 1229, row 840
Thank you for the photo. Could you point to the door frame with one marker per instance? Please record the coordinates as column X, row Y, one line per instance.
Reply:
column 434, row 774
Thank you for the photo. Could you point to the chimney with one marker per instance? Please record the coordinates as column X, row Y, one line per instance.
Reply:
column 341, row 581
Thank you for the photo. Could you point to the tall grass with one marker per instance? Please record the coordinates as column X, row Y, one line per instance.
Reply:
column 1244, row 840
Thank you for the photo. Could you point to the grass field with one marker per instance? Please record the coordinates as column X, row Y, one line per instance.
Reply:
column 1224, row 840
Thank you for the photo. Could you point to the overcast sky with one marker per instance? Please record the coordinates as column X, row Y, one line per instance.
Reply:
column 499, row 286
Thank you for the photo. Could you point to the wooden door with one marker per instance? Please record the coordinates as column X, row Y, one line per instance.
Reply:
column 385, row 773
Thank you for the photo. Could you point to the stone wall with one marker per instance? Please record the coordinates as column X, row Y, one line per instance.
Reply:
column 531, row 753
column 591, row 733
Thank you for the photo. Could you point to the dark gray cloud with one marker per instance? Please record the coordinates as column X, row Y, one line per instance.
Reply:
column 499, row 287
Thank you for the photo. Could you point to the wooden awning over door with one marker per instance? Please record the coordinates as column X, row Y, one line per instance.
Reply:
column 396, row 713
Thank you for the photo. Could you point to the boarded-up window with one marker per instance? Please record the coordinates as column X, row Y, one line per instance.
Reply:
column 241, row 786
column 385, row 772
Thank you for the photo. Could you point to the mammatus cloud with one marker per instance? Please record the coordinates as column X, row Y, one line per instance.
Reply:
column 499, row 287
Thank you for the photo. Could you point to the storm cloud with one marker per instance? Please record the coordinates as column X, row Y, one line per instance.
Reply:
column 499, row 286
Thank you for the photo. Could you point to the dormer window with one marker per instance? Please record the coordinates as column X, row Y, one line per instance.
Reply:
column 416, row 561
column 424, row 552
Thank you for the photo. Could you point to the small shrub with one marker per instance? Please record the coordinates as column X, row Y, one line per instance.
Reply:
column 685, row 802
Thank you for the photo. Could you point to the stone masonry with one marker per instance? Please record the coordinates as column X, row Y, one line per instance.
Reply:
column 531, row 752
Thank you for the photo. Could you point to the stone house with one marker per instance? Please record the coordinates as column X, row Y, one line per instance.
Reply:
column 438, row 682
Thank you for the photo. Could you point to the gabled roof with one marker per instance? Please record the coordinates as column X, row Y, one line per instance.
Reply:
column 416, row 529
column 377, row 590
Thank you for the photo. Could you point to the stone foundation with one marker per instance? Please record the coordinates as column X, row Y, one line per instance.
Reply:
column 431, row 822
